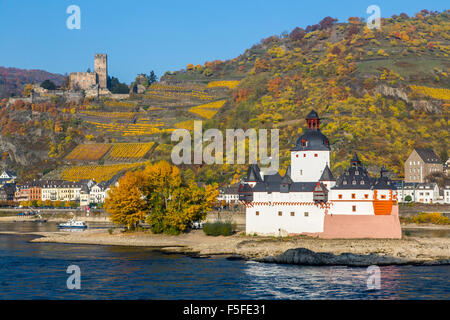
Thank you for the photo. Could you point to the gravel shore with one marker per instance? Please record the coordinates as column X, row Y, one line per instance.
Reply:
column 271, row 249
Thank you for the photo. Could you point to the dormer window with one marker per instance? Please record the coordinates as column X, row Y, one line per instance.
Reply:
column 345, row 182
column 354, row 182
column 303, row 142
column 357, row 172
column 362, row 182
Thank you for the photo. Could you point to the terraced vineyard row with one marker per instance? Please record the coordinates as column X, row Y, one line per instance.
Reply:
column 110, row 115
column 97, row 173
column 208, row 110
column 231, row 84
column 131, row 129
column 88, row 152
column 112, row 152
column 169, row 92
column 124, row 151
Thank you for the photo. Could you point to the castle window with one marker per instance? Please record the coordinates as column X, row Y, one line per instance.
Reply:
column 292, row 214
column 366, row 196
column 315, row 155
column 340, row 196
column 304, row 155
column 301, row 172
column 383, row 197
column 306, row 214
column 280, row 213
column 353, row 196
column 303, row 142
column 257, row 213
column 354, row 208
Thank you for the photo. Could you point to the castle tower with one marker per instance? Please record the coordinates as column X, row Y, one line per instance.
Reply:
column 311, row 154
column 101, row 69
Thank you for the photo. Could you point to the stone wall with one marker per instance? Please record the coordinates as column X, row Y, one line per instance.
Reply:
column 83, row 80
column 358, row 227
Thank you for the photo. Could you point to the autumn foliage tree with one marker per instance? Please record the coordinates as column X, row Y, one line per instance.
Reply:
column 160, row 196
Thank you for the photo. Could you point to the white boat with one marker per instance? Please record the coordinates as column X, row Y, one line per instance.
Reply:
column 72, row 224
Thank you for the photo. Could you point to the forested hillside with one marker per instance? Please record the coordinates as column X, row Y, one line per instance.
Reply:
column 380, row 92
column 13, row 80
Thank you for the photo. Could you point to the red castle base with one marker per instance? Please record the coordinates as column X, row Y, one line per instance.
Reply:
column 358, row 227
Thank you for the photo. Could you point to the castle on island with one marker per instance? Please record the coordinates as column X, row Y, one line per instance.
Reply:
column 309, row 200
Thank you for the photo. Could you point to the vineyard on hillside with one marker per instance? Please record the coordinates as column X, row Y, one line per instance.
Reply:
column 130, row 129
column 231, row 84
column 97, row 173
column 127, row 151
column 88, row 152
column 208, row 110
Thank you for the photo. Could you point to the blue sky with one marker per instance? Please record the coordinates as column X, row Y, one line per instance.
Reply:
column 144, row 35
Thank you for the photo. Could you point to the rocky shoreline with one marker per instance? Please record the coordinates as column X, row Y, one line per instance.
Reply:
column 292, row 250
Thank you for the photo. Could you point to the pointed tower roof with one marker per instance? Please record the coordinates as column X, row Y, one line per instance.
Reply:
column 288, row 171
column 312, row 115
column 287, row 176
column 253, row 173
column 355, row 161
column 327, row 175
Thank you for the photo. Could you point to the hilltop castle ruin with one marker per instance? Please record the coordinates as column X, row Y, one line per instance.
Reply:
column 92, row 81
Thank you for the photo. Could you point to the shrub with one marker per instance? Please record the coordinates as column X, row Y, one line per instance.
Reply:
column 432, row 217
column 218, row 228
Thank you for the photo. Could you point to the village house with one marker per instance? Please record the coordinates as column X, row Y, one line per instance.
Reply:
column 22, row 193
column 447, row 194
column 420, row 164
column 427, row 193
column 7, row 192
column 50, row 190
column 229, row 194
column 8, row 176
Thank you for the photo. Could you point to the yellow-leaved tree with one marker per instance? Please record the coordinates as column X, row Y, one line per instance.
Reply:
column 159, row 194
column 125, row 202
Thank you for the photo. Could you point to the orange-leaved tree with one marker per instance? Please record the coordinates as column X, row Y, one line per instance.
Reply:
column 159, row 194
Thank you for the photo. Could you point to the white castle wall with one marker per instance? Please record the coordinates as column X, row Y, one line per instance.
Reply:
column 269, row 222
column 307, row 166
column 363, row 205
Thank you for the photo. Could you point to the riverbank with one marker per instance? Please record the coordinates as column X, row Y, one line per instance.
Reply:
column 410, row 250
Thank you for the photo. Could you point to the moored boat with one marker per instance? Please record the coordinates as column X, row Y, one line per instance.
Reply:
column 72, row 224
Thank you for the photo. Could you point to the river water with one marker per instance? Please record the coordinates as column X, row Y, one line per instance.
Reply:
column 38, row 271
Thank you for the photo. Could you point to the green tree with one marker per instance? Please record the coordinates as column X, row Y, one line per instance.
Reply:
column 47, row 84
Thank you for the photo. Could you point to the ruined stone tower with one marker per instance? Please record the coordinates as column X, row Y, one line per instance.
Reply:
column 101, row 69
